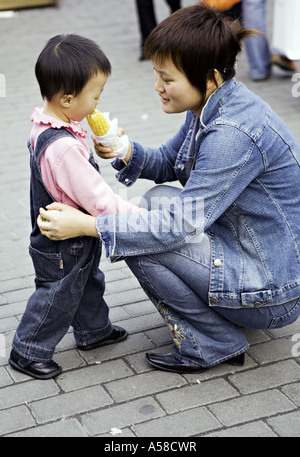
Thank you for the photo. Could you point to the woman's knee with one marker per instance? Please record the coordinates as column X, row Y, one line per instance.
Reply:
column 153, row 198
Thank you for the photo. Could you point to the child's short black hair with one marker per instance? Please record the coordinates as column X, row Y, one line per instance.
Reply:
column 67, row 63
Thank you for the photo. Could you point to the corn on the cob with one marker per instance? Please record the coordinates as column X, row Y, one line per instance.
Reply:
column 98, row 123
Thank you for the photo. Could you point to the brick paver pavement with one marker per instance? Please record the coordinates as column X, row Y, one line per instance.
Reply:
column 114, row 387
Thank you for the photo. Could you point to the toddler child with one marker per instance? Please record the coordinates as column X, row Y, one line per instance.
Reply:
column 71, row 72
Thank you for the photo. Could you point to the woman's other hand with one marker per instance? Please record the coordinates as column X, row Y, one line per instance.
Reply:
column 60, row 222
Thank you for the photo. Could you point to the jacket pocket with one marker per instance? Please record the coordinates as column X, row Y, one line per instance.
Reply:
column 48, row 266
column 287, row 318
column 257, row 298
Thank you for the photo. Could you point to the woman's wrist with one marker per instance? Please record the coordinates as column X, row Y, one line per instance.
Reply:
column 89, row 228
column 128, row 155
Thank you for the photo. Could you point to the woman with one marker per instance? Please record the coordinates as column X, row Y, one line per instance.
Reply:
column 224, row 251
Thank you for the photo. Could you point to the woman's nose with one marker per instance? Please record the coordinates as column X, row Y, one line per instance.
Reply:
column 158, row 86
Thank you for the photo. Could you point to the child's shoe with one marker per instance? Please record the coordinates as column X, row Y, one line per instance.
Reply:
column 118, row 334
column 38, row 370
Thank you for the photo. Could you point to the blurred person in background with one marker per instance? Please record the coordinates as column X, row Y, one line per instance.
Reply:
column 260, row 56
column 147, row 18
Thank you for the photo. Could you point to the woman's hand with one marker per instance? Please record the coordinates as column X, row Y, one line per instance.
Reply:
column 107, row 153
column 61, row 222
column 104, row 152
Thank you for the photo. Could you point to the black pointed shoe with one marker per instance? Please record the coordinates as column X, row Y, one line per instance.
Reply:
column 37, row 370
column 237, row 361
column 118, row 334
column 168, row 362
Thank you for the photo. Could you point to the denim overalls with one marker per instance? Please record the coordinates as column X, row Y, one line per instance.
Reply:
column 69, row 285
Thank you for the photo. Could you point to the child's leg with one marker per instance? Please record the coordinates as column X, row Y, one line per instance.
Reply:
column 48, row 315
column 59, row 289
column 91, row 322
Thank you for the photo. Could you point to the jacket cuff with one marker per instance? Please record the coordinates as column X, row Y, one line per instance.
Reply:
column 105, row 226
column 128, row 174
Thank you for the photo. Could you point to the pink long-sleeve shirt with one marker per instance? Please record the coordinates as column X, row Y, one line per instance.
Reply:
column 67, row 173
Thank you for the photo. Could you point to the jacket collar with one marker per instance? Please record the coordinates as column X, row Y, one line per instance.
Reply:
column 211, row 108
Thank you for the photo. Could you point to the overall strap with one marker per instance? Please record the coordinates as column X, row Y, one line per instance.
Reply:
column 45, row 139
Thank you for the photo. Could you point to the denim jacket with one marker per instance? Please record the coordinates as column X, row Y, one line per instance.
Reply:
column 242, row 162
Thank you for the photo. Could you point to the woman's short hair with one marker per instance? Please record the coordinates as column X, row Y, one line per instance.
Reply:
column 198, row 39
column 66, row 64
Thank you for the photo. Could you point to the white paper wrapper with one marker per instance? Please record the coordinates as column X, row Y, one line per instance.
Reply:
column 119, row 144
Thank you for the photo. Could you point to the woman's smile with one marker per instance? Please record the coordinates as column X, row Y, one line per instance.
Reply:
column 163, row 99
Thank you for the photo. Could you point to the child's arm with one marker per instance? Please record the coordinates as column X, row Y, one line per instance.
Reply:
column 77, row 182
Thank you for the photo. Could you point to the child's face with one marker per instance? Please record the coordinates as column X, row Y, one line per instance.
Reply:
column 85, row 102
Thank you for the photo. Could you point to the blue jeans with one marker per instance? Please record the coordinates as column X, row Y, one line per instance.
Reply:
column 72, row 296
column 177, row 282
column 257, row 47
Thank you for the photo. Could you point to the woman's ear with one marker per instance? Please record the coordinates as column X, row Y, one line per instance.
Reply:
column 214, row 78
column 210, row 84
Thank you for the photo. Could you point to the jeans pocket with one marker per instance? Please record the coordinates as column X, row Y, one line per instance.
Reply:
column 81, row 278
column 288, row 317
column 48, row 266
